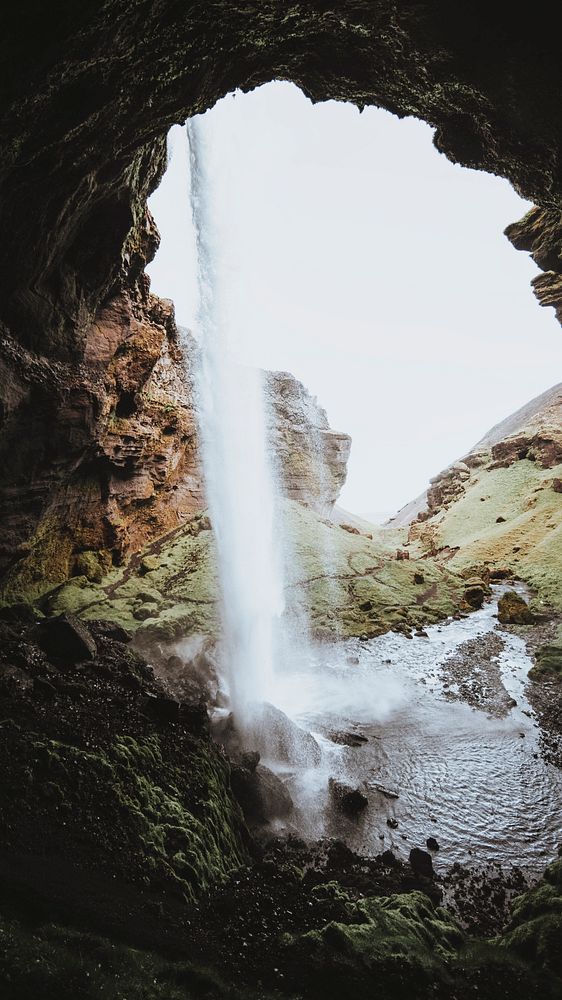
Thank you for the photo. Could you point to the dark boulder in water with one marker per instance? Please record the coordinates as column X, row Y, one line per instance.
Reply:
column 421, row 862
column 347, row 800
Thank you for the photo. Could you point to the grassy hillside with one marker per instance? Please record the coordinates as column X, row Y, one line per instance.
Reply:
column 347, row 583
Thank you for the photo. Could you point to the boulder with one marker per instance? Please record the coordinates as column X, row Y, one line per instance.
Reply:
column 67, row 639
column 262, row 796
column 475, row 592
column 432, row 844
column 347, row 800
column 513, row 610
column 278, row 738
column 421, row 862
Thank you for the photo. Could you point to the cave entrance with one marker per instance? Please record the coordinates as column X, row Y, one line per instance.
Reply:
column 372, row 268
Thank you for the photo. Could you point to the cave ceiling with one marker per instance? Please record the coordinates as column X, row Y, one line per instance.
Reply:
column 91, row 89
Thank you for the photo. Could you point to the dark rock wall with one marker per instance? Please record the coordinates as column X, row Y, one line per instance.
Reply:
column 90, row 89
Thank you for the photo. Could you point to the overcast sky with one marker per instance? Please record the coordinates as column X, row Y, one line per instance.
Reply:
column 358, row 258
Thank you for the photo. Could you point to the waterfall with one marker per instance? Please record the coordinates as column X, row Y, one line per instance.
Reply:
column 237, row 472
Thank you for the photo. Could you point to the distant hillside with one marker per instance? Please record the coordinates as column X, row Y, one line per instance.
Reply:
column 500, row 506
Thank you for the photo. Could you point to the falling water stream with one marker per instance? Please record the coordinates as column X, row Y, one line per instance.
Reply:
column 238, row 476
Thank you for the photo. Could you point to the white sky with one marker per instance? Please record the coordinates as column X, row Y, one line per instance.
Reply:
column 358, row 258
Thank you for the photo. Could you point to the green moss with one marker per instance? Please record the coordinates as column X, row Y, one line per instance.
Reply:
column 403, row 938
column 345, row 584
column 549, row 658
column 47, row 563
column 529, row 539
column 535, row 931
column 93, row 565
column 176, row 827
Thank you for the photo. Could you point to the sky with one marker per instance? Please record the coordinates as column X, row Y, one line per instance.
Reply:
column 357, row 257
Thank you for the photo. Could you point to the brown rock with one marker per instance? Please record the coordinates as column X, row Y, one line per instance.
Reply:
column 513, row 610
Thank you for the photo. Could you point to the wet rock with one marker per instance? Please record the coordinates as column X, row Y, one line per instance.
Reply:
column 18, row 614
column 389, row 793
column 110, row 630
column 278, row 738
column 14, row 679
column 421, row 862
column 389, row 858
column 419, row 578
column 392, row 823
column 500, row 520
column 250, row 760
column 262, row 796
column 195, row 717
column 348, row 739
column 347, row 800
column 66, row 638
column 513, row 610
column 432, row 844
column 475, row 592
column 44, row 689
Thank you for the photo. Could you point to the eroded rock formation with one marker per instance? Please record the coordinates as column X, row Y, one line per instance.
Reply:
column 311, row 457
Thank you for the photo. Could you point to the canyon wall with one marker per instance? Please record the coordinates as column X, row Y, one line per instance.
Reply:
column 100, row 457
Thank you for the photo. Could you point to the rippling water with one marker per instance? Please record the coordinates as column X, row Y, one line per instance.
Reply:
column 476, row 783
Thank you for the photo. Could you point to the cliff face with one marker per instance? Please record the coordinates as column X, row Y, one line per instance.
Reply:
column 99, row 458
column 96, row 456
column 500, row 506
column 311, row 457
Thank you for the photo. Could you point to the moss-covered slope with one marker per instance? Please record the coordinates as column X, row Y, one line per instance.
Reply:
column 501, row 507
column 346, row 583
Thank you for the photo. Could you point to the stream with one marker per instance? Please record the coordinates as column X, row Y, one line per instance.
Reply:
column 432, row 765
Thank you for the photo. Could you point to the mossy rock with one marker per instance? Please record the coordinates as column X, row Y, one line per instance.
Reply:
column 402, row 939
column 548, row 658
column 343, row 584
column 535, row 931
column 513, row 610
column 128, row 805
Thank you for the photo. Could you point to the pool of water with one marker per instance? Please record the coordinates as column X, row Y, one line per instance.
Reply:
column 435, row 767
